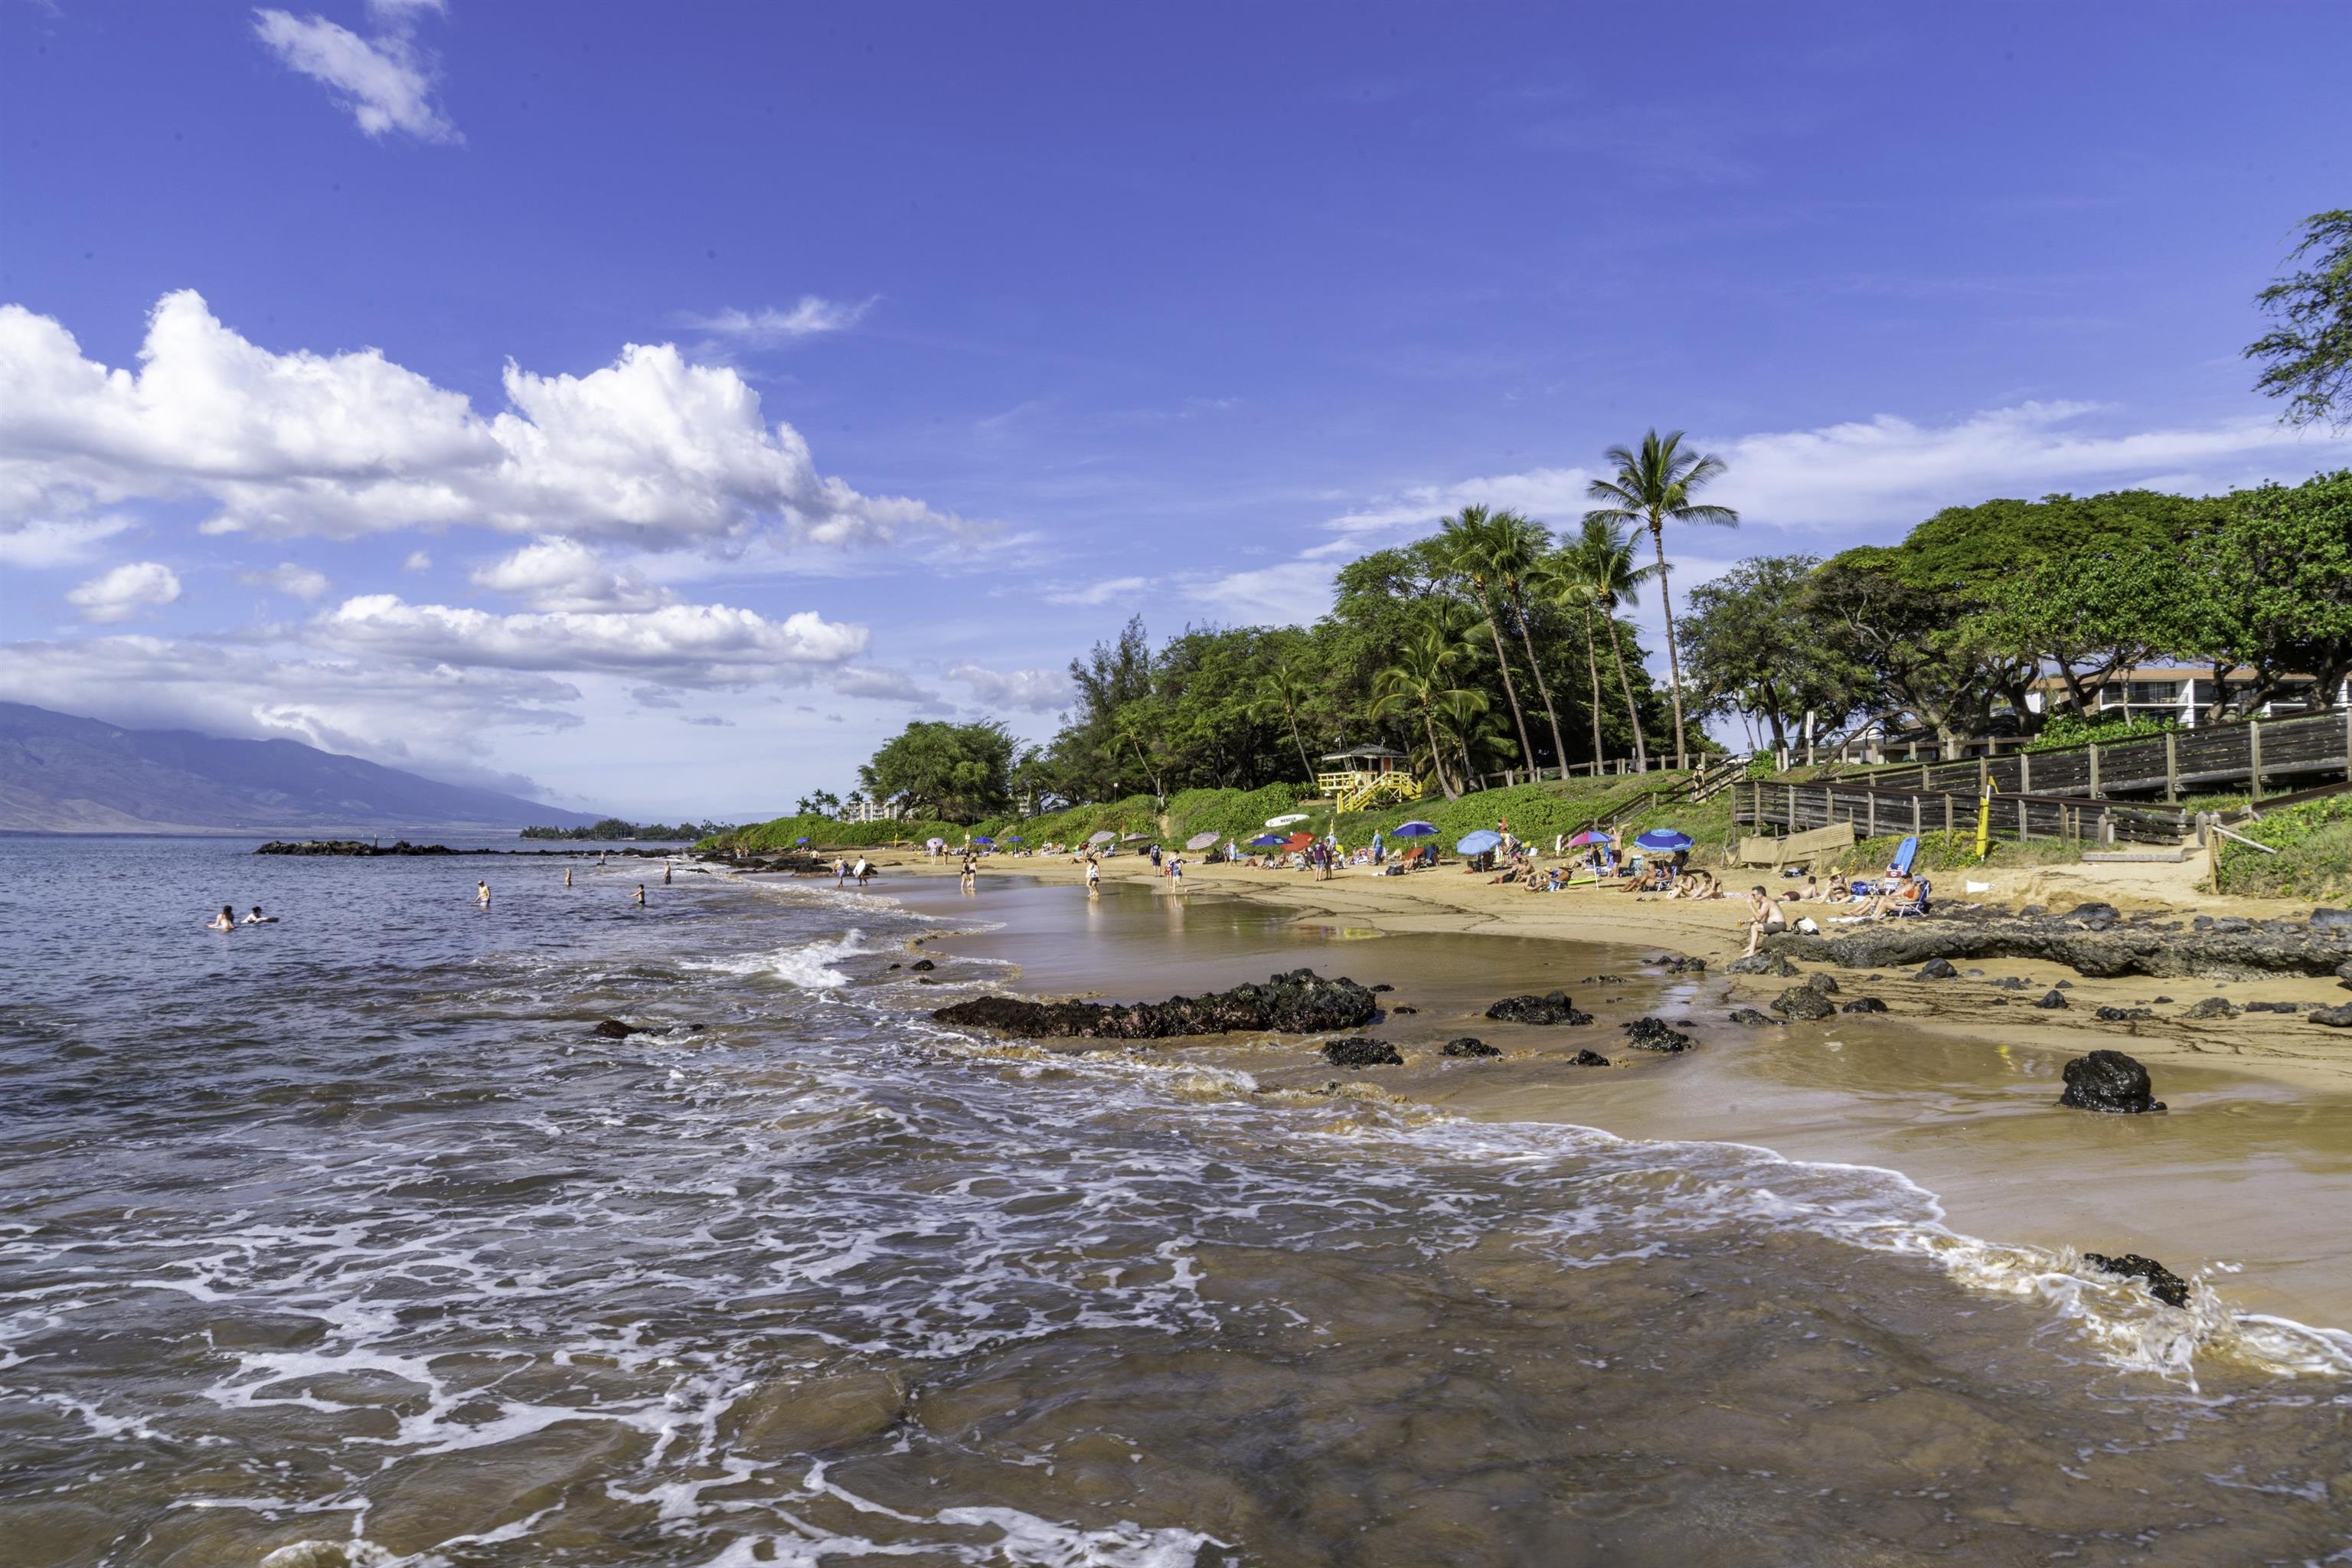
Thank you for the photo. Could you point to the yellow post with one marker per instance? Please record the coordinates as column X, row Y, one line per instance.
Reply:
column 1984, row 820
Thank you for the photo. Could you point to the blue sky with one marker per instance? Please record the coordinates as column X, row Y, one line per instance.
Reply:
column 965, row 332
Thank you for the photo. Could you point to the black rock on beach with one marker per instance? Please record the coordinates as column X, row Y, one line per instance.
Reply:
column 1301, row 1001
column 2162, row 1283
column 2111, row 1081
column 1552, row 1008
column 2090, row 939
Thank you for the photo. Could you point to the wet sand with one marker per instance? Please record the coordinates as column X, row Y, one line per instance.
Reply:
column 2245, row 1177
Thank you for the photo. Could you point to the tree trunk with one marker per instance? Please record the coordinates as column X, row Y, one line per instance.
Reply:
column 1617, row 652
column 1494, row 630
column 1674, row 658
column 1543, row 689
column 1294, row 741
column 1592, row 666
column 1437, row 757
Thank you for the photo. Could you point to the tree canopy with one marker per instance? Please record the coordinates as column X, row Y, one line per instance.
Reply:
column 958, row 772
column 2307, row 356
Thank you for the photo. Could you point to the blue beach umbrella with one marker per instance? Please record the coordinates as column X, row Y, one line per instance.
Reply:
column 801, row 839
column 1665, row 838
column 1267, row 841
column 1413, row 830
column 1478, row 843
column 1014, row 838
column 984, row 838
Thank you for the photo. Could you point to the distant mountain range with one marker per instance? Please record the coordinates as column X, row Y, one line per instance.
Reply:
column 63, row 775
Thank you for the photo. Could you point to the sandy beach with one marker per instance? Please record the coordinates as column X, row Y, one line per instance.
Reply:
column 1954, row 1085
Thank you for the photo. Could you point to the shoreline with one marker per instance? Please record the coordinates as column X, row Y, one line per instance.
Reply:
column 1953, row 1087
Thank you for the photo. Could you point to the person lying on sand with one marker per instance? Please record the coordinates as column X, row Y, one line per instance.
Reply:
column 225, row 921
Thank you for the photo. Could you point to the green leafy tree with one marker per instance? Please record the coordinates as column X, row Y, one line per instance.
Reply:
column 1892, row 614
column 2276, row 577
column 1423, row 683
column 1653, row 487
column 2308, row 355
column 956, row 773
column 1754, row 643
column 1520, row 546
column 1595, row 577
column 1473, row 540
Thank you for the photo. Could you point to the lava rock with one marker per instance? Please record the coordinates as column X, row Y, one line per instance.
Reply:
column 1679, row 964
column 1938, row 969
column 1588, row 1058
column 2054, row 998
column 1470, row 1046
column 1361, row 1052
column 1864, row 1004
column 2121, row 1015
column 1404, row 1011
column 2331, row 920
column 613, row 1029
column 2102, row 948
column 2333, row 1017
column 2092, row 912
column 1552, row 1008
column 1751, row 1017
column 2162, row 1283
column 922, row 964
column 1383, row 985
column 2108, row 1080
column 2211, row 1007
column 1299, row 1003
column 2012, row 983
column 1654, row 1034
column 1803, row 1002
column 2274, row 1006
column 1771, row 963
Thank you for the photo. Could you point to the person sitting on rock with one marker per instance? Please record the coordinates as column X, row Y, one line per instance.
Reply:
column 1764, row 914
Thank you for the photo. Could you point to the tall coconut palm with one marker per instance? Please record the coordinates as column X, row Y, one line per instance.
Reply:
column 1520, row 545
column 1652, row 488
column 1284, row 689
column 1594, row 574
column 1421, row 683
column 1469, row 540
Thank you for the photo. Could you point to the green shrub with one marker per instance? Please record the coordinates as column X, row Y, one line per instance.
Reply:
column 2314, row 841
column 2065, row 730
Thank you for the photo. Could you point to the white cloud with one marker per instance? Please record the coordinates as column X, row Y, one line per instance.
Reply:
column 1037, row 690
column 884, row 685
column 1290, row 593
column 769, row 326
column 119, row 594
column 384, row 81
column 431, row 717
column 650, row 450
column 1100, row 593
column 556, row 573
column 300, row 582
column 679, row 645
column 419, row 561
column 42, row 543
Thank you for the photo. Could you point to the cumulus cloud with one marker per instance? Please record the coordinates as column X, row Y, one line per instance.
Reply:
column 122, row 593
column 429, row 718
column 39, row 544
column 1037, row 690
column 679, row 645
column 298, row 581
column 419, row 561
column 1099, row 593
column 888, row 685
column 557, row 573
column 384, row 83
column 769, row 326
column 651, row 450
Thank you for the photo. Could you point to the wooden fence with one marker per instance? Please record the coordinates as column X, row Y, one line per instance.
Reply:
column 1876, row 811
column 2159, row 764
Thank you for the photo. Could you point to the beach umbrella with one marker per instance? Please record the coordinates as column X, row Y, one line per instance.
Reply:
column 1298, row 840
column 1287, row 819
column 984, row 838
column 1478, row 843
column 1133, row 838
column 927, row 843
column 1665, row 838
column 1591, row 835
column 1200, row 840
column 1014, row 838
column 1266, row 841
column 1413, row 830
column 1104, row 837
column 801, row 839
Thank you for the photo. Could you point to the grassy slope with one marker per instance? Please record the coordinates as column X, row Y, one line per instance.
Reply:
column 2314, row 841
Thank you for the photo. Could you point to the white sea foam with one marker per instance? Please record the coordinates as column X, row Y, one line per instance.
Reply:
column 809, row 965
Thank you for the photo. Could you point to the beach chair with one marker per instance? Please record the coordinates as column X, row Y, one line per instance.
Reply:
column 1919, row 905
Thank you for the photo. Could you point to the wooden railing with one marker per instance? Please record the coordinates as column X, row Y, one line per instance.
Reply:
column 2316, row 746
column 1877, row 811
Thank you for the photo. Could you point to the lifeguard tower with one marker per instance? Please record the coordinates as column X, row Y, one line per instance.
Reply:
column 1364, row 776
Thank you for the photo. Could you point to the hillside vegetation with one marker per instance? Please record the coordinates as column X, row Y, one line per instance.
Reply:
column 2314, row 858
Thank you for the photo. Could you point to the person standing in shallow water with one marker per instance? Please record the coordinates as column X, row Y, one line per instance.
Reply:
column 482, row 894
column 641, row 895
column 567, row 876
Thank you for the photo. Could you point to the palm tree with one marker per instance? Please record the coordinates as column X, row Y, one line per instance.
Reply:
column 1652, row 488
column 1469, row 542
column 1595, row 576
column 1422, row 682
column 1283, row 690
column 1520, row 544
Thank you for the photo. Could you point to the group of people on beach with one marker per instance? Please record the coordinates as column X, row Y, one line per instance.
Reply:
column 843, row 872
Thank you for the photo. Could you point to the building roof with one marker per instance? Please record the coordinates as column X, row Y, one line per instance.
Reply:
column 1362, row 753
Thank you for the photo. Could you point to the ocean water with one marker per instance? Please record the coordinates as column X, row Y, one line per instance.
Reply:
column 349, row 1229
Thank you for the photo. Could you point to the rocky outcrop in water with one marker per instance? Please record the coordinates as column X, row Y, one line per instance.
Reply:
column 1588, row 1058
column 1766, row 963
column 1751, row 1017
column 1469, row 1045
column 1803, row 1002
column 354, row 846
column 1653, row 1034
column 2109, row 1080
column 1863, row 1005
column 2162, row 1283
column 1676, row 964
column 1552, row 1008
column 1299, row 1003
column 2090, row 939
column 1361, row 1051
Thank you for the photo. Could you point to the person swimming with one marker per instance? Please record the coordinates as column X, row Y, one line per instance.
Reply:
column 257, row 919
column 225, row 921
